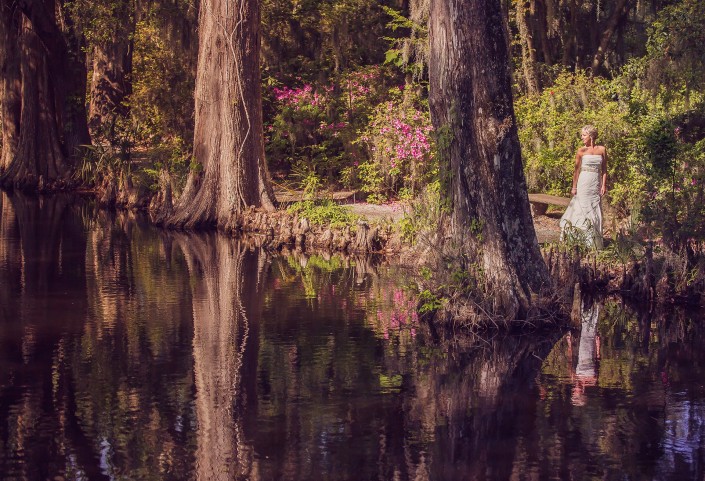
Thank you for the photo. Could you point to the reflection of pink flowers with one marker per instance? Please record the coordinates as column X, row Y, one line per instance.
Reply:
column 397, row 316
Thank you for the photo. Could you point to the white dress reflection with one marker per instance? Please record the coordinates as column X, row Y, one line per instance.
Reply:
column 588, row 353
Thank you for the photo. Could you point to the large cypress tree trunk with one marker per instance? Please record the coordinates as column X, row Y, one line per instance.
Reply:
column 53, row 122
column 10, row 85
column 471, row 108
column 39, row 161
column 228, row 138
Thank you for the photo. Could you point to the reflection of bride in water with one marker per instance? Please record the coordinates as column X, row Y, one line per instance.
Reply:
column 588, row 353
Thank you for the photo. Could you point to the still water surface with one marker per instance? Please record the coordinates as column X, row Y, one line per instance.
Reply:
column 131, row 353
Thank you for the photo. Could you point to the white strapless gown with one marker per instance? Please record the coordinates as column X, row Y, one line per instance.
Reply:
column 583, row 217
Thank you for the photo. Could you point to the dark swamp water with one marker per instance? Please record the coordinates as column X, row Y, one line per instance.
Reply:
column 130, row 353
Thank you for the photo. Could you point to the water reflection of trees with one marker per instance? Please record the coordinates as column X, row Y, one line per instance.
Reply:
column 41, row 271
column 131, row 353
column 635, row 420
column 225, row 278
column 133, row 358
column 95, row 367
column 616, row 397
column 365, row 400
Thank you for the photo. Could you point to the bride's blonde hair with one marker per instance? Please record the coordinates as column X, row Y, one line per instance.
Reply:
column 590, row 130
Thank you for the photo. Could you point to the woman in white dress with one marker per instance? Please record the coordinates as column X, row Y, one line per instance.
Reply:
column 583, row 217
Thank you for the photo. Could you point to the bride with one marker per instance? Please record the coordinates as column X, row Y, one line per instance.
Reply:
column 582, row 220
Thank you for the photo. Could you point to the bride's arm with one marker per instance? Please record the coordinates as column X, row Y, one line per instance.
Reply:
column 603, row 186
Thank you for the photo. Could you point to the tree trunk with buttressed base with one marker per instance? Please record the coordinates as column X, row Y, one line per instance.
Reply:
column 472, row 111
column 10, row 84
column 53, row 125
column 228, row 146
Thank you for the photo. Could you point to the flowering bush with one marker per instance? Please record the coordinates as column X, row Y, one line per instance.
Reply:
column 400, row 149
column 298, row 98
column 313, row 128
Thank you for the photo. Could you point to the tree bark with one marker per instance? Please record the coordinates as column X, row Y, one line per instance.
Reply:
column 39, row 161
column 110, row 82
column 228, row 139
column 621, row 10
column 528, row 49
column 10, row 85
column 473, row 113
column 53, row 122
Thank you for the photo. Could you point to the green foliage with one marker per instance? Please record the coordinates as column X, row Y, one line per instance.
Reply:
column 324, row 212
column 101, row 161
column 430, row 302
column 476, row 226
column 322, row 37
column 675, row 57
column 421, row 220
column 172, row 155
column 675, row 205
column 623, row 249
column 317, row 210
column 549, row 130
column 410, row 51
column 574, row 237
column 163, row 84
column 100, row 21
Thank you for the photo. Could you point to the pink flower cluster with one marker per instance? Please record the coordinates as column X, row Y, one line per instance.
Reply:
column 298, row 97
column 333, row 128
column 410, row 140
column 359, row 84
column 356, row 90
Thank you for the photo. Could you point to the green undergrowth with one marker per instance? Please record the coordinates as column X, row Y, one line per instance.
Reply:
column 324, row 212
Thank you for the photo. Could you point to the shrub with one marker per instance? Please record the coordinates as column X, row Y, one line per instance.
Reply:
column 400, row 148
column 314, row 127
